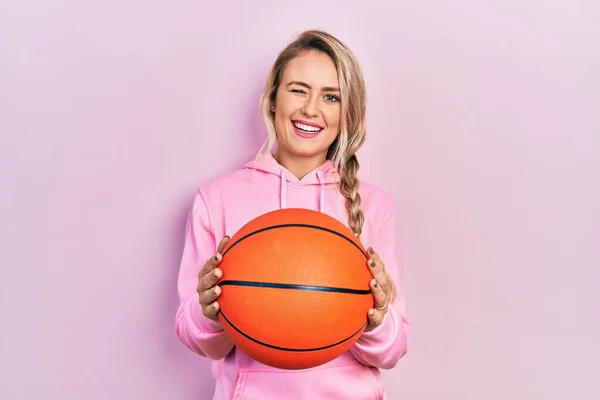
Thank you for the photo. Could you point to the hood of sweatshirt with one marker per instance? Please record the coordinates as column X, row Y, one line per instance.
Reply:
column 323, row 175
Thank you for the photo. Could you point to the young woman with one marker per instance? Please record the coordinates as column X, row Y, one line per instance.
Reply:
column 314, row 107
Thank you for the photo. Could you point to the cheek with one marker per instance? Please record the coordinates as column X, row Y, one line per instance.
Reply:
column 287, row 104
column 282, row 124
column 281, row 116
column 332, row 119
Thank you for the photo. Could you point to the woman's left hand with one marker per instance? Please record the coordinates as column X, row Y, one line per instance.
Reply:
column 381, row 287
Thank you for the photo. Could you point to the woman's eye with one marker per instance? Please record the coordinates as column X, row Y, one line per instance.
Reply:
column 297, row 91
column 331, row 98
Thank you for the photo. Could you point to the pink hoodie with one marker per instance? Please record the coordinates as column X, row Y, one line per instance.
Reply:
column 224, row 205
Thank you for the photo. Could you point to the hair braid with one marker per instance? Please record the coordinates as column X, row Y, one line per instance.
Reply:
column 349, row 187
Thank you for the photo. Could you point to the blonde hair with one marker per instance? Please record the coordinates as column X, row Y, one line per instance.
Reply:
column 342, row 151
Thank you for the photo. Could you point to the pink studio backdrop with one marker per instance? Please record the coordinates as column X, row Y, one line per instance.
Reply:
column 484, row 125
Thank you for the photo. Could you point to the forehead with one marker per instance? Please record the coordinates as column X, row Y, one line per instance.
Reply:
column 313, row 67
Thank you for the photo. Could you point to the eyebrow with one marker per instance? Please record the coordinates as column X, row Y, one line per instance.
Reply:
column 306, row 85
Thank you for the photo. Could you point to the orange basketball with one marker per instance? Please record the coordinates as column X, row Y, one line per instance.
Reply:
column 295, row 288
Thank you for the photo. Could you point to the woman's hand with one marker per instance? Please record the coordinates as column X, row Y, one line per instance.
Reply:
column 382, row 288
column 208, row 277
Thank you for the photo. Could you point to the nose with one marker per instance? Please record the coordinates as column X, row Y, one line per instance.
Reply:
column 311, row 108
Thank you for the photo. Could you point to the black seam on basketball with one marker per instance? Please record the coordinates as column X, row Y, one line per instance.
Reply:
column 295, row 226
column 288, row 349
column 293, row 287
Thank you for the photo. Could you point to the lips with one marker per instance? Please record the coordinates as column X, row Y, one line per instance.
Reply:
column 307, row 126
column 306, row 129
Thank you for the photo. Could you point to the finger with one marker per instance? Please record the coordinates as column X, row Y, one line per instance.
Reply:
column 211, row 310
column 222, row 244
column 210, row 265
column 377, row 267
column 210, row 296
column 209, row 280
column 380, row 296
column 212, row 262
column 375, row 318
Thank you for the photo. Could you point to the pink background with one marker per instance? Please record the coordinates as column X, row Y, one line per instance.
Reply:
column 484, row 125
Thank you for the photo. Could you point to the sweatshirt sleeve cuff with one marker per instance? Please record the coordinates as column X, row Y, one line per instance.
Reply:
column 204, row 324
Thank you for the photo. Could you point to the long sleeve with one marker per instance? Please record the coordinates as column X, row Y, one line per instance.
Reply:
column 385, row 345
column 200, row 334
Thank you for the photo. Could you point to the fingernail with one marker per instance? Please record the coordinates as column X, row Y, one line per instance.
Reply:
column 375, row 284
column 216, row 272
column 216, row 258
column 371, row 313
column 371, row 250
column 372, row 263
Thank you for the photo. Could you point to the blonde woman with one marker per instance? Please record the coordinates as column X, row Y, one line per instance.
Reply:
column 314, row 108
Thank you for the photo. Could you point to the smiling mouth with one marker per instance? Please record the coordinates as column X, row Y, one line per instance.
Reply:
column 309, row 129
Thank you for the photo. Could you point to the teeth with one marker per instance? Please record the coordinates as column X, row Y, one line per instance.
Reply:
column 307, row 128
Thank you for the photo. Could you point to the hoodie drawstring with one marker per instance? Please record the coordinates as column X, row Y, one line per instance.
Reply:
column 282, row 194
column 283, row 190
column 322, row 196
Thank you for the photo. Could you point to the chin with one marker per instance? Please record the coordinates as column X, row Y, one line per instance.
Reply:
column 306, row 149
column 301, row 151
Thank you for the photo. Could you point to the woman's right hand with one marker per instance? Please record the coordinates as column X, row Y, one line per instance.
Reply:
column 208, row 277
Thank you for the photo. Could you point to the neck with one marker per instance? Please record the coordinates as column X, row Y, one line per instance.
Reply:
column 298, row 165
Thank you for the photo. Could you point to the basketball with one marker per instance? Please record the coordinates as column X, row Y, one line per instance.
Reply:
column 295, row 288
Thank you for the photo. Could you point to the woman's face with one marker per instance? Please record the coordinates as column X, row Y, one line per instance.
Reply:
column 307, row 107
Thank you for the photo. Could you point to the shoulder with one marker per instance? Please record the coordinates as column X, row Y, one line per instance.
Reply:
column 226, row 180
column 379, row 210
column 375, row 198
column 211, row 191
